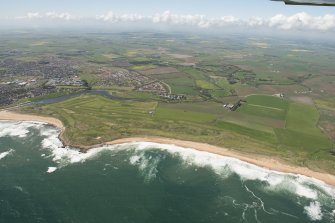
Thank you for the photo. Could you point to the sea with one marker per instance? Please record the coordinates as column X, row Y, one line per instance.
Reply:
column 43, row 181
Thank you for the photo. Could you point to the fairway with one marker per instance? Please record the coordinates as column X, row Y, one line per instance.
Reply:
column 94, row 119
column 264, row 123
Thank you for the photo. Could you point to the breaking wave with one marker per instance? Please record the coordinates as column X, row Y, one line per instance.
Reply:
column 17, row 129
column 309, row 189
column 146, row 165
column 4, row 154
column 51, row 169
column 314, row 211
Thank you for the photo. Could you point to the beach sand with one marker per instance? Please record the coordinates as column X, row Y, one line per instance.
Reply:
column 265, row 162
column 6, row 115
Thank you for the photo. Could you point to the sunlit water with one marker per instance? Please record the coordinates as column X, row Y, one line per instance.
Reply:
column 40, row 181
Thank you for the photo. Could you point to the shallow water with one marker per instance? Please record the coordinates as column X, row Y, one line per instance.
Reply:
column 40, row 181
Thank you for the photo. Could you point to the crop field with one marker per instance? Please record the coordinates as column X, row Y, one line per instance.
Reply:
column 142, row 67
column 205, row 85
column 180, row 83
column 95, row 119
column 327, row 115
column 254, row 122
column 300, row 130
column 266, row 106
column 160, row 70
column 203, row 73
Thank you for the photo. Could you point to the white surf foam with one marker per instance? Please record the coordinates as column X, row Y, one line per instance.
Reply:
column 134, row 159
column 304, row 191
column 224, row 166
column 4, row 154
column 64, row 155
column 221, row 165
column 19, row 188
column 146, row 165
column 314, row 211
column 51, row 169
column 17, row 129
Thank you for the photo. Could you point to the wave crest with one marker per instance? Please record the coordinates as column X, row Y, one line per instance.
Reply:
column 314, row 211
column 17, row 129
column 7, row 153
column 305, row 187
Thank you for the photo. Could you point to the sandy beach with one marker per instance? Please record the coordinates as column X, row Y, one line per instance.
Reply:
column 6, row 115
column 265, row 162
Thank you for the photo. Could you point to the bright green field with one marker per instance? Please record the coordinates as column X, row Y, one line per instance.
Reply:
column 300, row 130
column 264, row 124
column 266, row 106
column 95, row 119
column 205, row 85
column 142, row 67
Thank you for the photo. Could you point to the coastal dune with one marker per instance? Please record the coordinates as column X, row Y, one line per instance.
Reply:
column 265, row 162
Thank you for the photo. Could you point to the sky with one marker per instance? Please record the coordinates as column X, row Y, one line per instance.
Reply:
column 214, row 8
column 196, row 13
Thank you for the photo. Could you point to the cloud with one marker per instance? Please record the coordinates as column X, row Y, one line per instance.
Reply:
column 193, row 20
column 114, row 18
column 48, row 15
column 299, row 21
column 302, row 21
column 169, row 18
column 30, row 15
column 64, row 16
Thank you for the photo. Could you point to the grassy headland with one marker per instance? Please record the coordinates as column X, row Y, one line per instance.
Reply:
column 264, row 125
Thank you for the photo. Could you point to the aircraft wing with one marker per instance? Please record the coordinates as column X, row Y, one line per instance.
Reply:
column 309, row 2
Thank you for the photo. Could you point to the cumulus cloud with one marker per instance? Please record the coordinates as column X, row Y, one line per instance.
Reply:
column 303, row 21
column 193, row 20
column 299, row 21
column 49, row 15
column 114, row 18
column 170, row 18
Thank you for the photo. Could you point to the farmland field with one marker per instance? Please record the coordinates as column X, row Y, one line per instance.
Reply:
column 175, row 85
column 272, row 123
column 205, row 85
column 159, row 70
column 266, row 106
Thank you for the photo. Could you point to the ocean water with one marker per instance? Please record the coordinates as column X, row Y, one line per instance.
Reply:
column 41, row 181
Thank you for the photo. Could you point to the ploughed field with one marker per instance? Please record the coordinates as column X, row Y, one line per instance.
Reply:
column 265, row 125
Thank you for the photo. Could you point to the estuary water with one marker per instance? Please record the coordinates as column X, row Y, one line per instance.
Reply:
column 41, row 181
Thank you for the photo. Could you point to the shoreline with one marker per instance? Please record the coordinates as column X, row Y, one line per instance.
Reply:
column 12, row 116
column 263, row 162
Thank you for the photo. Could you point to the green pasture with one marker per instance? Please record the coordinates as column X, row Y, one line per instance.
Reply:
column 94, row 119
